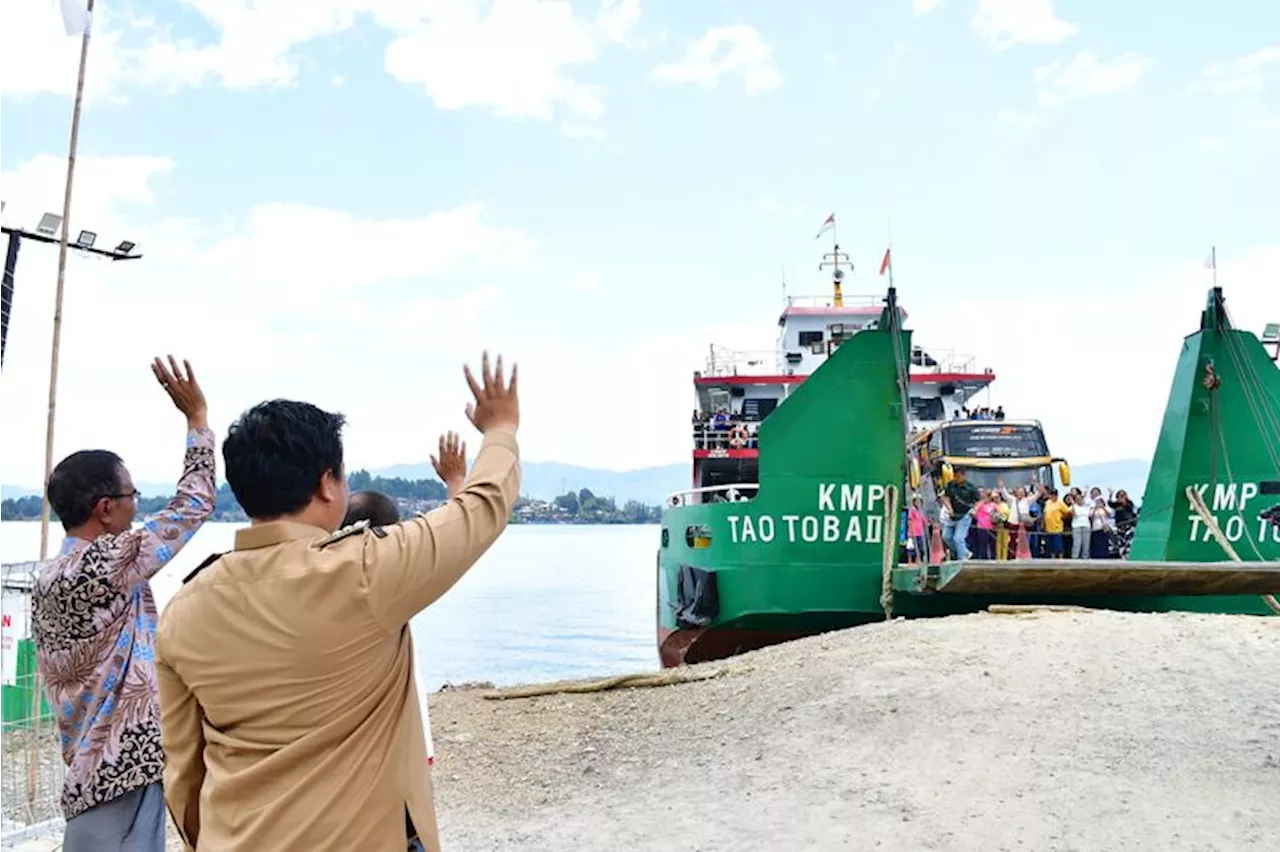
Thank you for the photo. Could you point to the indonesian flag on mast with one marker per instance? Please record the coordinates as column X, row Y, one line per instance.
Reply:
column 827, row 225
column 75, row 16
column 884, row 264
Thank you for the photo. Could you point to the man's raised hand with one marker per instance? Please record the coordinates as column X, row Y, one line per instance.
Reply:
column 497, row 403
column 183, row 389
column 451, row 464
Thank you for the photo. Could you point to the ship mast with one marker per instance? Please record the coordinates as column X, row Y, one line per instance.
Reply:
column 833, row 259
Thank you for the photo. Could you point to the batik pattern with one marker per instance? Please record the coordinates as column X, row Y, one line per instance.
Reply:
column 94, row 621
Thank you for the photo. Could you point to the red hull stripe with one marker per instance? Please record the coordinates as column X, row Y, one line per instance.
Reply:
column 916, row 378
column 726, row 454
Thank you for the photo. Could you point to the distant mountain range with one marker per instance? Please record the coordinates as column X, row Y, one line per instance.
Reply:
column 545, row 480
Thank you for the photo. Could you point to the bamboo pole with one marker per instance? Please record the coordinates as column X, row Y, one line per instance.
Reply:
column 34, row 756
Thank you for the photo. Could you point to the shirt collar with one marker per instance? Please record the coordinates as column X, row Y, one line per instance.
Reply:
column 275, row 532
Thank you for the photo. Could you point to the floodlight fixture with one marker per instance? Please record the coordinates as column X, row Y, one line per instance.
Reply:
column 49, row 223
column 86, row 239
column 125, row 247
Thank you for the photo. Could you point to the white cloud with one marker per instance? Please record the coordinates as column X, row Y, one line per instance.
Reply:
column 284, row 300
column 1005, row 23
column 745, row 53
column 373, row 318
column 1135, row 335
column 512, row 60
column 920, row 8
column 1246, row 74
column 1210, row 144
column 1087, row 75
column 515, row 59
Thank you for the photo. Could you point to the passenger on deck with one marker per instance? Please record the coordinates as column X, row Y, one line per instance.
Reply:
column 1100, row 530
column 961, row 498
column 985, row 514
column 915, row 531
column 1054, row 514
column 1080, row 527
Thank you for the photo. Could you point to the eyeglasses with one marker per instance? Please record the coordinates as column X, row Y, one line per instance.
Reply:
column 135, row 494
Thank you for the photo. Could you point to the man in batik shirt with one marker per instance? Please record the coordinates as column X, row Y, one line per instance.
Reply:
column 94, row 620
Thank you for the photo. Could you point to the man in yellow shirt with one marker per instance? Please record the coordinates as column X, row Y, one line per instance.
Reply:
column 1054, row 512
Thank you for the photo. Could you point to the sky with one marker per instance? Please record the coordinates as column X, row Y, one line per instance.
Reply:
column 343, row 201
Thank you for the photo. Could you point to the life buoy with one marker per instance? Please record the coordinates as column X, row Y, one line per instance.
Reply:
column 738, row 437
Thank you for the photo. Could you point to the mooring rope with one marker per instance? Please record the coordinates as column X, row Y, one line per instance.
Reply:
column 890, row 550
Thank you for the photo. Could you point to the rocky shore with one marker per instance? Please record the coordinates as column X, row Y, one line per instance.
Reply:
column 1041, row 731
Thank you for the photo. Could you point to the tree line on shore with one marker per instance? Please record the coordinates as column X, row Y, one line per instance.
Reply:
column 412, row 496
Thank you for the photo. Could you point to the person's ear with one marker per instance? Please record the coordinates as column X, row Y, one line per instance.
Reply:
column 102, row 510
column 330, row 490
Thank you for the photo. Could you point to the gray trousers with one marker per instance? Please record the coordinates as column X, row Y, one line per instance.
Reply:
column 133, row 822
column 1080, row 542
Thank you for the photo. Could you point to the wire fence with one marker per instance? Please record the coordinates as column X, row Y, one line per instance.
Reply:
column 31, row 767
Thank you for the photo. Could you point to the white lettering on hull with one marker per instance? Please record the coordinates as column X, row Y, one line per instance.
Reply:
column 828, row 525
column 1230, row 504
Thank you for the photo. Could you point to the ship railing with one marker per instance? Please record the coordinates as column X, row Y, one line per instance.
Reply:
column 707, row 437
column 736, row 492
column 946, row 361
column 850, row 300
column 741, row 362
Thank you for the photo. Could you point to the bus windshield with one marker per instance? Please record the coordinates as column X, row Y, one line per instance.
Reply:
column 1009, row 477
column 994, row 439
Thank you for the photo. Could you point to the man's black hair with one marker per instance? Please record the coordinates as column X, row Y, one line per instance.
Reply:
column 276, row 454
column 79, row 482
column 372, row 506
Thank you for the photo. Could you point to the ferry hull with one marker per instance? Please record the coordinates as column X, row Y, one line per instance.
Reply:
column 807, row 553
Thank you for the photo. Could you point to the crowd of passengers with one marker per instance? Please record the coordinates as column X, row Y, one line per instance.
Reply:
column 723, row 431
column 1032, row 520
column 982, row 413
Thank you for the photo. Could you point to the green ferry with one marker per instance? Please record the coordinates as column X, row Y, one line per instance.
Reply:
column 805, row 458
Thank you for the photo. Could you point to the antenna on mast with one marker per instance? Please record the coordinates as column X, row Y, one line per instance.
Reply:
column 834, row 259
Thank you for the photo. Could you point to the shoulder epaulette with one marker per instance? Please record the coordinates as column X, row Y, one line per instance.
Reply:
column 339, row 535
column 203, row 565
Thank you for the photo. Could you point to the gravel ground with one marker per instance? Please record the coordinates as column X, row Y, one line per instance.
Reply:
column 1054, row 731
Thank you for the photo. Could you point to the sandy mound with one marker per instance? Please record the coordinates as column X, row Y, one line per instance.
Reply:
column 1056, row 731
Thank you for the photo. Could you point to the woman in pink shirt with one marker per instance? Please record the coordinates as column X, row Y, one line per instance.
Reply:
column 915, row 531
column 984, row 515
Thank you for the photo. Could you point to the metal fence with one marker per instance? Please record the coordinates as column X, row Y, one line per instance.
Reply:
column 31, row 767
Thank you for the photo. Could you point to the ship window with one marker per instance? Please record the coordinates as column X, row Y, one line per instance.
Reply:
column 808, row 338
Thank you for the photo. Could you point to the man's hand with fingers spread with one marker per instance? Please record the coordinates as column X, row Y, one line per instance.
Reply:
column 451, row 464
column 184, row 390
column 497, row 403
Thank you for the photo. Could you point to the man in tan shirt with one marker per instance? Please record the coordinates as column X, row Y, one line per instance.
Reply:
column 289, row 709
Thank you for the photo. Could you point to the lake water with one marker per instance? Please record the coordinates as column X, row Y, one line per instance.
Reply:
column 545, row 603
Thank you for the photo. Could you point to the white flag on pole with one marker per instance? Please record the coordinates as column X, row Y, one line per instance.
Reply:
column 75, row 16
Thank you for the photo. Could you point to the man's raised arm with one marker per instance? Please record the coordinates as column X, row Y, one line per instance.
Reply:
column 141, row 553
column 419, row 560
